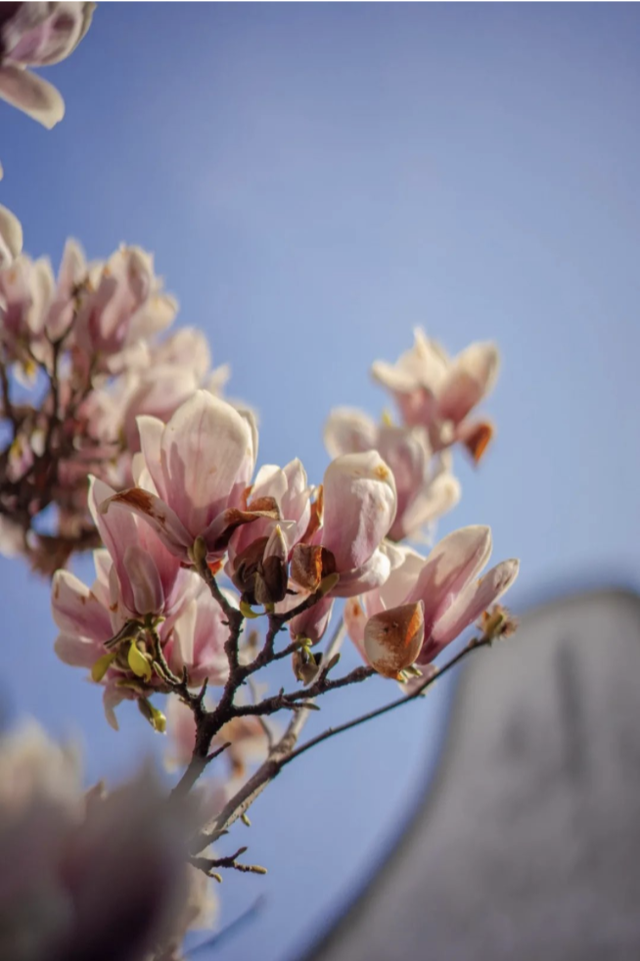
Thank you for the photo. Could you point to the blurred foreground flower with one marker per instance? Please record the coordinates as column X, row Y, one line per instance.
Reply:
column 88, row 876
column 38, row 35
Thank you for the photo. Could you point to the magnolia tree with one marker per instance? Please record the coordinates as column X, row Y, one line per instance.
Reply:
column 208, row 568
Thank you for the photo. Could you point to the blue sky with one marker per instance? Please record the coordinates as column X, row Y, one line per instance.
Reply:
column 315, row 180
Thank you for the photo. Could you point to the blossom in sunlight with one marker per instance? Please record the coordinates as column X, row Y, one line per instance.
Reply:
column 426, row 489
column 438, row 392
column 358, row 510
column 98, row 874
column 120, row 307
column 198, row 467
column 259, row 552
column 38, row 35
column 111, row 628
column 387, row 624
column 10, row 237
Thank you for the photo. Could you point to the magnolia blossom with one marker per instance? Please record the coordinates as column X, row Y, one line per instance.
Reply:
column 10, row 237
column 120, row 307
column 38, row 35
column 358, row 507
column 439, row 393
column 259, row 552
column 427, row 602
column 425, row 487
column 102, row 627
column 197, row 468
column 35, row 308
column 98, row 875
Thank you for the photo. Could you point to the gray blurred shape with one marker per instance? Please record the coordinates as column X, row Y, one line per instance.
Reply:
column 527, row 846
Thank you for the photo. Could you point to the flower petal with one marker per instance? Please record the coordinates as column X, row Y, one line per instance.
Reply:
column 157, row 514
column 204, row 446
column 473, row 375
column 359, row 507
column 477, row 597
column 393, row 638
column 348, row 431
column 31, row 94
column 76, row 610
column 10, row 237
column 452, row 563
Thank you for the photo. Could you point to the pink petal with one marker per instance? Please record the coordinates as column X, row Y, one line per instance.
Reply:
column 204, row 446
column 448, row 569
column 77, row 651
column 372, row 574
column 477, row 597
column 314, row 622
column 76, row 610
column 10, row 237
column 473, row 375
column 143, row 576
column 31, row 94
column 359, row 507
column 157, row 514
column 348, row 431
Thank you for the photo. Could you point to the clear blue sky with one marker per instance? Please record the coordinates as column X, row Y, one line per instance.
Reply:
column 315, row 180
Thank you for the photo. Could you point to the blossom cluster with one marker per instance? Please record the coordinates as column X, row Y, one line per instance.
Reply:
column 115, row 436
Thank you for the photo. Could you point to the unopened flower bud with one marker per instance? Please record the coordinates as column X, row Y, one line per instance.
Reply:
column 497, row 622
column 392, row 639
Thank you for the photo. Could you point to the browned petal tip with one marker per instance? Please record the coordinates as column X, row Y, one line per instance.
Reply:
column 478, row 440
column 311, row 563
column 392, row 639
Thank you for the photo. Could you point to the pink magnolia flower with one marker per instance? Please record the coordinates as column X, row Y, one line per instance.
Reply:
column 121, row 306
column 259, row 552
column 95, row 875
column 427, row 602
column 439, row 393
column 199, row 465
column 171, row 373
column 34, row 308
column 359, row 507
column 425, row 487
column 10, row 237
column 37, row 35
column 192, row 631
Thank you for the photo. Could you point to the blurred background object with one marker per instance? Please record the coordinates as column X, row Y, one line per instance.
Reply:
column 528, row 843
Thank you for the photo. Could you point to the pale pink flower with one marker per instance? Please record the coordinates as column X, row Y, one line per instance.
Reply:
column 425, row 487
column 120, row 307
column 443, row 585
column 34, row 308
column 358, row 510
column 199, row 465
column 10, row 237
column 38, row 35
column 150, row 579
column 439, row 393
column 90, row 876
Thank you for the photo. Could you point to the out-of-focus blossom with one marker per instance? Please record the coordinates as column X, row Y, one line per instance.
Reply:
column 426, row 489
column 443, row 585
column 91, row 876
column 10, row 237
column 245, row 735
column 38, row 35
column 200, row 464
column 359, row 507
column 120, row 307
column 439, row 393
